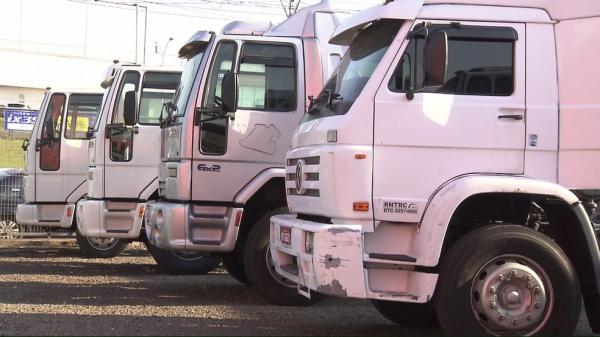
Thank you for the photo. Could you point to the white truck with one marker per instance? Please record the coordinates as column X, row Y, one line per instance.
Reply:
column 122, row 159
column 451, row 164
column 56, row 169
column 221, row 174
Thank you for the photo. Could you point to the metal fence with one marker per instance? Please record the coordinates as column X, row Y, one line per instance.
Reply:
column 12, row 163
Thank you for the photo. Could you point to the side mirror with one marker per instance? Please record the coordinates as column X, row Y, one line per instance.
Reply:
column 129, row 108
column 90, row 133
column 229, row 92
column 435, row 58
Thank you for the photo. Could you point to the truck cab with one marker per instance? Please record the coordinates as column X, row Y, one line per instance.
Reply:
column 122, row 159
column 55, row 165
column 221, row 173
column 447, row 171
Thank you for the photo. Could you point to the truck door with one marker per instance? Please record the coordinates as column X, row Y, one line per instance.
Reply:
column 81, row 114
column 48, row 184
column 132, row 152
column 426, row 135
column 61, row 156
column 229, row 152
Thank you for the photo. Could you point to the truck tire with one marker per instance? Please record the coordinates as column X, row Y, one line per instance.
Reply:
column 182, row 263
column 507, row 279
column 263, row 278
column 234, row 264
column 412, row 315
column 100, row 247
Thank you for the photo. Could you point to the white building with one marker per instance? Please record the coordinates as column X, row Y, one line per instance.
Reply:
column 70, row 43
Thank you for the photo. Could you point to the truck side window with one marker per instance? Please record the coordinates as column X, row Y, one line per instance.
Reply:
column 51, row 130
column 82, row 112
column 130, row 82
column 157, row 88
column 267, row 77
column 213, row 134
column 121, row 140
column 480, row 62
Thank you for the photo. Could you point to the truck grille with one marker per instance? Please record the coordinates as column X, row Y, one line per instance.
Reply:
column 308, row 184
column 162, row 188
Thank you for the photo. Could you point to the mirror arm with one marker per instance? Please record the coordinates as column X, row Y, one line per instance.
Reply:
column 215, row 115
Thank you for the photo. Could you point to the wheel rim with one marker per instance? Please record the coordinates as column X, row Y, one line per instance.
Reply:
column 278, row 278
column 512, row 295
column 103, row 244
column 8, row 230
column 189, row 256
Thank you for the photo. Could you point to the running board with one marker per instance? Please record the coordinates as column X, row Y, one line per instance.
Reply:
column 392, row 257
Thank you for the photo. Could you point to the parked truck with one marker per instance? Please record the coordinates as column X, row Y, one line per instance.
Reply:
column 122, row 159
column 56, row 169
column 221, row 174
column 451, row 164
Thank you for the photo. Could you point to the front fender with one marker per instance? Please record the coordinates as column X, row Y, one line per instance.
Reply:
column 257, row 183
column 429, row 241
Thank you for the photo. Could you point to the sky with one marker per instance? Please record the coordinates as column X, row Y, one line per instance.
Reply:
column 70, row 43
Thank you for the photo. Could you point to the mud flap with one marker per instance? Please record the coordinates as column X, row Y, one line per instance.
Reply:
column 592, row 309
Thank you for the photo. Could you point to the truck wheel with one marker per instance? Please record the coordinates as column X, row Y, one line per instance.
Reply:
column 507, row 280
column 100, row 247
column 413, row 315
column 182, row 262
column 234, row 264
column 261, row 273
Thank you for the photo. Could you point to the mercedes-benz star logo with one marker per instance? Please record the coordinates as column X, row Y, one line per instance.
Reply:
column 299, row 176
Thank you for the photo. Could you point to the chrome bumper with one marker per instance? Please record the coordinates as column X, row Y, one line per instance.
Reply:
column 46, row 215
column 184, row 226
column 330, row 259
column 105, row 219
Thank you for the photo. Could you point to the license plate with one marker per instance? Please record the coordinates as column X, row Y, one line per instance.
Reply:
column 285, row 235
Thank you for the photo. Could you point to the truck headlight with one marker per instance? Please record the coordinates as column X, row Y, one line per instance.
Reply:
column 309, row 242
column 92, row 152
column 172, row 142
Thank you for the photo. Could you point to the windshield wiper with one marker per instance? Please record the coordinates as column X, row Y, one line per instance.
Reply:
column 170, row 109
column 333, row 98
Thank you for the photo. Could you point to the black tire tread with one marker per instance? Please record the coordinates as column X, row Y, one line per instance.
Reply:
column 256, row 267
column 90, row 251
column 171, row 264
column 466, row 252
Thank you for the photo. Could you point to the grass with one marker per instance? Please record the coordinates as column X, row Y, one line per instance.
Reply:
column 11, row 153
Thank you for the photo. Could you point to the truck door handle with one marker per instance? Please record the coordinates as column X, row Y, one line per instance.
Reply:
column 515, row 117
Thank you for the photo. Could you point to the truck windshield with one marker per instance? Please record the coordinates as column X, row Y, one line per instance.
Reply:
column 188, row 75
column 357, row 66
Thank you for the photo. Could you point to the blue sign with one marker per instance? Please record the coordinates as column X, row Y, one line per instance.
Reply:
column 19, row 119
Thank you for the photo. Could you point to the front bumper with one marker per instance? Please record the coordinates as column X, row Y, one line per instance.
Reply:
column 338, row 266
column 46, row 215
column 106, row 219
column 184, row 226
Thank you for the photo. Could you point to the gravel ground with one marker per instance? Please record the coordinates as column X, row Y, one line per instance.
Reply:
column 47, row 288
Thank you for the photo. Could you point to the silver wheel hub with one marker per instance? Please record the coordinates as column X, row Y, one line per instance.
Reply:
column 511, row 295
column 103, row 243
column 8, row 229
column 189, row 256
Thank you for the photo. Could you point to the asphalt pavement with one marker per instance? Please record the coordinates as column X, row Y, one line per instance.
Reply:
column 48, row 288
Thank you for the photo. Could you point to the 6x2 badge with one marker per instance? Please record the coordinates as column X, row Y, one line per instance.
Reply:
column 212, row 168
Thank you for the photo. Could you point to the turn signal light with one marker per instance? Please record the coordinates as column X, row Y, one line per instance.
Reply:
column 238, row 218
column 360, row 206
column 69, row 212
column 360, row 156
column 141, row 213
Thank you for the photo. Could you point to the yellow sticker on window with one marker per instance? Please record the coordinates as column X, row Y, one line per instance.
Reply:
column 82, row 123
